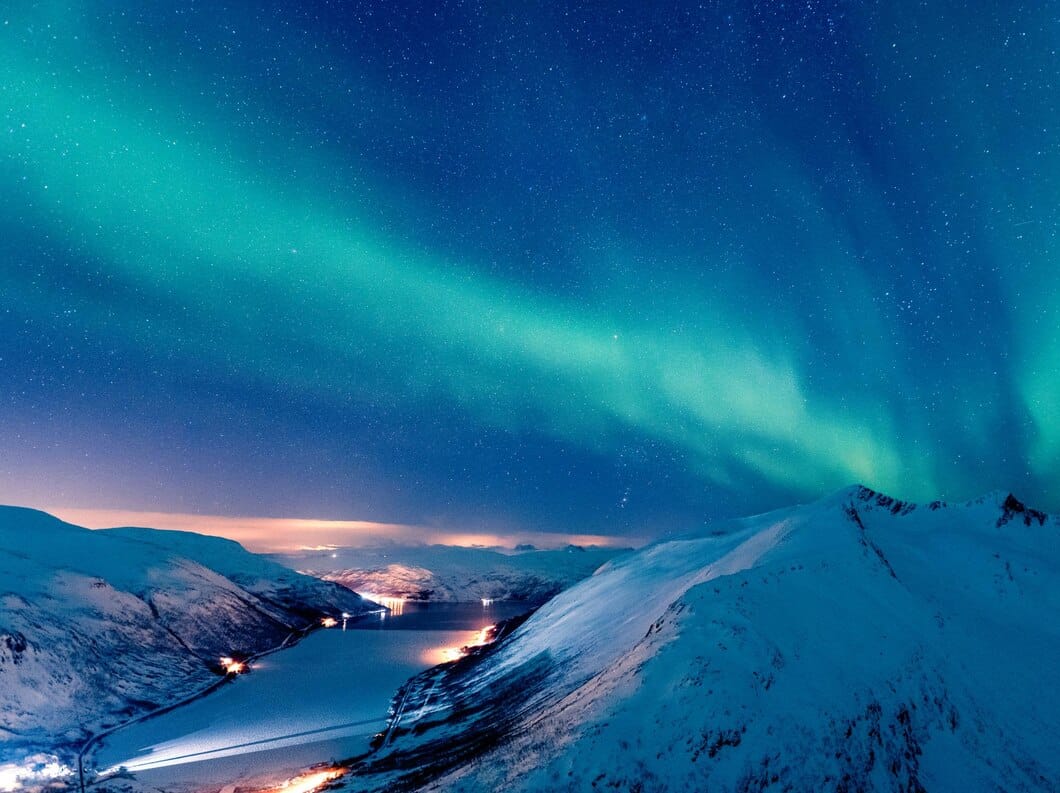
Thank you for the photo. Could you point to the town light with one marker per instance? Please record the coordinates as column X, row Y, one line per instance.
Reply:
column 450, row 654
column 232, row 666
column 309, row 782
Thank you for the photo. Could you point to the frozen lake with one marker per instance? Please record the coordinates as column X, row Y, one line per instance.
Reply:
column 319, row 701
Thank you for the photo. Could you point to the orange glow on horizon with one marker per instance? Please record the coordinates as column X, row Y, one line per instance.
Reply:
column 265, row 535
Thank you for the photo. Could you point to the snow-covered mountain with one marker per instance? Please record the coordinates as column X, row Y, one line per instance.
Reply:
column 453, row 573
column 859, row 643
column 96, row 626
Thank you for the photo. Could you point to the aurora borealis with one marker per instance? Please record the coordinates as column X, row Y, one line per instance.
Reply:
column 604, row 267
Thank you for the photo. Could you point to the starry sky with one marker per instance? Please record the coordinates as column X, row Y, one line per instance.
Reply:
column 613, row 268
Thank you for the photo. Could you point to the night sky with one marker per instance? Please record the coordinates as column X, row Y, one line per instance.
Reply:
column 614, row 268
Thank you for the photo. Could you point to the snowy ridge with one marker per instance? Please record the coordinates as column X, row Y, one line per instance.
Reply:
column 98, row 626
column 858, row 643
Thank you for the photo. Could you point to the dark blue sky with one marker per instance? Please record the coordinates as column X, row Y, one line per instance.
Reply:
column 596, row 267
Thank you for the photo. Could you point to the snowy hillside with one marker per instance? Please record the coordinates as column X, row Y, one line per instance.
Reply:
column 96, row 626
column 859, row 643
column 452, row 573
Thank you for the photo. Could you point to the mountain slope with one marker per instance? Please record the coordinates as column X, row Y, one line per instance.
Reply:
column 859, row 643
column 451, row 573
column 96, row 626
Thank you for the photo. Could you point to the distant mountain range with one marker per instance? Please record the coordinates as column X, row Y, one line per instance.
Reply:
column 451, row 573
column 98, row 626
column 858, row 643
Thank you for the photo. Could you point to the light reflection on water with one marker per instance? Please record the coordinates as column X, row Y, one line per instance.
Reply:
column 396, row 605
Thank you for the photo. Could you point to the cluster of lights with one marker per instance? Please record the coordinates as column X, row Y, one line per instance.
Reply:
column 308, row 783
column 482, row 638
column 396, row 603
column 232, row 666
column 450, row 654
column 329, row 622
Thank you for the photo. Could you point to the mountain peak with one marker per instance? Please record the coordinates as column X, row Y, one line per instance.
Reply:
column 1012, row 507
column 862, row 496
column 859, row 494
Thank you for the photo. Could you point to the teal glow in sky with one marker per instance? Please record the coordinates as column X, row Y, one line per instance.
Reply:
column 584, row 268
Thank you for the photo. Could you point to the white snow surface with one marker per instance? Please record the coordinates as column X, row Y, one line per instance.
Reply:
column 858, row 643
column 98, row 626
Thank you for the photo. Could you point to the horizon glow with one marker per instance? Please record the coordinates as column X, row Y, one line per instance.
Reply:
column 287, row 535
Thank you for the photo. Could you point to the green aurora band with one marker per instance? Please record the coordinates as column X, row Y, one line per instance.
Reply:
column 246, row 268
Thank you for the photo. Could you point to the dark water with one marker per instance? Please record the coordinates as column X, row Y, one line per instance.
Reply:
column 443, row 616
